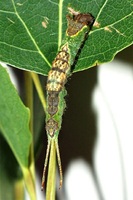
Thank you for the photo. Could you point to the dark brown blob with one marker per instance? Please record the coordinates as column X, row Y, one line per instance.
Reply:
column 77, row 22
column 53, row 100
column 85, row 19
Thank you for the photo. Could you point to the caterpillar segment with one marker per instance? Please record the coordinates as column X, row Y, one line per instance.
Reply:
column 57, row 78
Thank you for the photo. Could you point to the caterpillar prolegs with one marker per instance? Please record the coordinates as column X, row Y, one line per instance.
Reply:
column 79, row 25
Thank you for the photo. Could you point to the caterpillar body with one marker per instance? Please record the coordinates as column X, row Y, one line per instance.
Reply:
column 77, row 31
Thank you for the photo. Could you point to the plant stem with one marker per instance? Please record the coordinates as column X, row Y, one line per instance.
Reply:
column 29, row 103
column 38, row 86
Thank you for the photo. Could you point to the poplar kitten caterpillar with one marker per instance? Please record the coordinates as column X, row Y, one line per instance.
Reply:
column 79, row 26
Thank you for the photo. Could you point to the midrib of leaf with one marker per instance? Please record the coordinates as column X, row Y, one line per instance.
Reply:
column 34, row 42
column 60, row 23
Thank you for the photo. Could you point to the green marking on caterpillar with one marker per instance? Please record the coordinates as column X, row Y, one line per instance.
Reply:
column 79, row 25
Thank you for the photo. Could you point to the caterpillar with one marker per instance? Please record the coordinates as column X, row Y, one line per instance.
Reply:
column 79, row 25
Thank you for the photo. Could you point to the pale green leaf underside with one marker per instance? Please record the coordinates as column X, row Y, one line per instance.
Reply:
column 14, row 120
column 27, row 44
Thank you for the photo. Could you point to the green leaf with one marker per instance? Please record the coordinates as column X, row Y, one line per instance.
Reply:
column 10, row 173
column 14, row 120
column 14, row 126
column 27, row 43
column 113, row 33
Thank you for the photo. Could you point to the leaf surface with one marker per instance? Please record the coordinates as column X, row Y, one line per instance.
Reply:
column 31, row 31
column 14, row 120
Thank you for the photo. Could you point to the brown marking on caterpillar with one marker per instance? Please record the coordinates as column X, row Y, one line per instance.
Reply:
column 57, row 78
column 53, row 101
column 77, row 21
column 58, row 74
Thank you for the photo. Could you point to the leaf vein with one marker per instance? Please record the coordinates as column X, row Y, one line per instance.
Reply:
column 60, row 23
column 30, row 35
column 101, row 9
column 111, row 25
column 4, row 11
column 22, row 49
